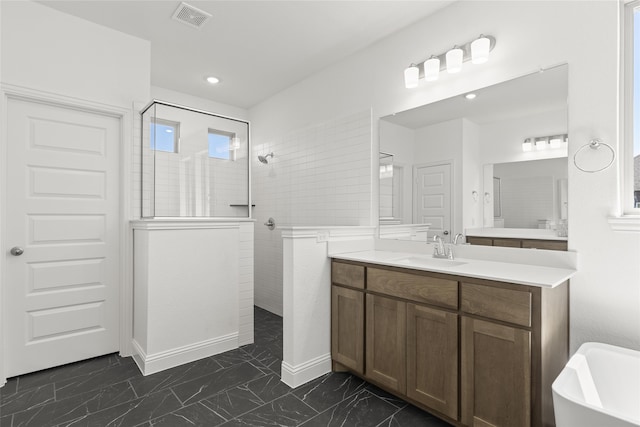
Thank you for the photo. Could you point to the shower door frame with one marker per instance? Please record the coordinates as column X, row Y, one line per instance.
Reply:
column 142, row 169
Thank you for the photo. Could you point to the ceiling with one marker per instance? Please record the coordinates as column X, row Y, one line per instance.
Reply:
column 256, row 48
column 524, row 96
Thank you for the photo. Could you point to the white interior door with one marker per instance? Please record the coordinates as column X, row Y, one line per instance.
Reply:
column 433, row 198
column 62, row 291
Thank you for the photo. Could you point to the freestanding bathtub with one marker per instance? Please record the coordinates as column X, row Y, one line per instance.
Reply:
column 599, row 387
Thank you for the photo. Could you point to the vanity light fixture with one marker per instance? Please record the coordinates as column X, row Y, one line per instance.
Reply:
column 480, row 48
column 540, row 143
column 476, row 51
column 411, row 76
column 454, row 60
column 432, row 68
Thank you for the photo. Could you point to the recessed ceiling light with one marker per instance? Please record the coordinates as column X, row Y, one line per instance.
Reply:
column 470, row 96
column 213, row 80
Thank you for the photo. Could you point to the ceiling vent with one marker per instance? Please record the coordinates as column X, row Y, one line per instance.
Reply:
column 191, row 16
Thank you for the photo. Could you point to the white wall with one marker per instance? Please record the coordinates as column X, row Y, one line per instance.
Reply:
column 605, row 294
column 54, row 52
column 471, row 176
column 51, row 52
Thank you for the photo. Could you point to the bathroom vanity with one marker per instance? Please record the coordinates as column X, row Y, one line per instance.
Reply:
column 441, row 335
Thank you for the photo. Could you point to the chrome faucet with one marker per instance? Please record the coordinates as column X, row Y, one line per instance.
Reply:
column 440, row 250
column 458, row 236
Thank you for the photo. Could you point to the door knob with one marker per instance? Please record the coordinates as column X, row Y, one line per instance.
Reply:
column 17, row 251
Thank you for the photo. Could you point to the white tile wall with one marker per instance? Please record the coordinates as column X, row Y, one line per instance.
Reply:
column 319, row 175
column 527, row 200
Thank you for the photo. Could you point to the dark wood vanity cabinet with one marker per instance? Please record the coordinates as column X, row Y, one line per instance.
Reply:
column 473, row 352
column 553, row 245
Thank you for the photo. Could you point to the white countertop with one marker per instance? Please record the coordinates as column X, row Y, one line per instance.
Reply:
column 523, row 274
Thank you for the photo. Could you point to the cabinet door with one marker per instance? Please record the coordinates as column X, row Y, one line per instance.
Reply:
column 432, row 358
column 496, row 374
column 347, row 328
column 386, row 341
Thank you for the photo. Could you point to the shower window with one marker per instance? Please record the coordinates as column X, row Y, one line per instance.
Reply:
column 194, row 163
column 221, row 144
column 165, row 135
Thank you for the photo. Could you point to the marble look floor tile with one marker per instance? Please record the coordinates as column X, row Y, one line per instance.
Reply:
column 6, row 421
column 75, row 407
column 28, row 399
column 96, row 381
column 410, row 416
column 193, row 415
column 362, row 409
column 9, row 388
column 132, row 413
column 328, row 390
column 233, row 357
column 287, row 411
column 66, row 372
column 387, row 397
column 268, row 387
column 233, row 402
column 174, row 376
column 208, row 385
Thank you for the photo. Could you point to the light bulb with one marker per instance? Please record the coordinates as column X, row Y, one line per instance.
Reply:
column 411, row 76
column 527, row 145
column 480, row 50
column 454, row 60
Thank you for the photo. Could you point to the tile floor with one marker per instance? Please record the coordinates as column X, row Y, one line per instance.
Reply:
column 239, row 388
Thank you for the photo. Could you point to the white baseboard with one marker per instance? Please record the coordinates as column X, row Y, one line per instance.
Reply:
column 152, row 363
column 295, row 376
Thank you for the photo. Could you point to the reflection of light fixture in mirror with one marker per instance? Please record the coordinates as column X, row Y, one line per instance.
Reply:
column 454, row 60
column 480, row 48
column 541, row 143
column 386, row 171
column 476, row 51
column 432, row 68
column 411, row 76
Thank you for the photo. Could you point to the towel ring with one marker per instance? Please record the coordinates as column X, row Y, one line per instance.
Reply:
column 594, row 144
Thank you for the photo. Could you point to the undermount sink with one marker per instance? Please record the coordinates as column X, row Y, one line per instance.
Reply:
column 428, row 262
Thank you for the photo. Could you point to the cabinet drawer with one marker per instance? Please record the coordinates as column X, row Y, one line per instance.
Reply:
column 507, row 243
column 508, row 305
column 347, row 274
column 441, row 292
column 551, row 245
column 483, row 241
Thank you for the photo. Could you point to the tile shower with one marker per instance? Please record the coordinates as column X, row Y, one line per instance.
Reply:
column 320, row 175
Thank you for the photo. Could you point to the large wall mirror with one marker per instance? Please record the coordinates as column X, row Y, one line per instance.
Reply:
column 493, row 158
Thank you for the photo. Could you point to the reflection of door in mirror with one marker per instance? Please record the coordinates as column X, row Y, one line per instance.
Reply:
column 390, row 190
column 433, row 197
column 497, row 207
